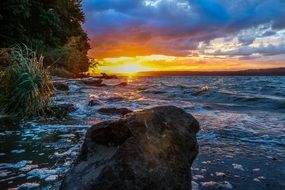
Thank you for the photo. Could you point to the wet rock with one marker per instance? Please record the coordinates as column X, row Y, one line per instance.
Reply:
column 61, row 86
column 150, row 149
column 93, row 82
column 60, row 110
column 119, row 111
column 122, row 84
column 115, row 99
column 106, row 76
column 63, row 107
column 94, row 103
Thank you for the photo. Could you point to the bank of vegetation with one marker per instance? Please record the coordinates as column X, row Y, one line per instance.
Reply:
column 38, row 37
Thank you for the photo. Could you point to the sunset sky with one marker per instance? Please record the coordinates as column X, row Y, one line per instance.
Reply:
column 144, row 35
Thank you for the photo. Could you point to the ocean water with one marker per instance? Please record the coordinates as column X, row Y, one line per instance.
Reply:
column 242, row 137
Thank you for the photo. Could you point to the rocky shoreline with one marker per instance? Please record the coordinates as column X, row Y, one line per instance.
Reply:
column 46, row 147
column 150, row 149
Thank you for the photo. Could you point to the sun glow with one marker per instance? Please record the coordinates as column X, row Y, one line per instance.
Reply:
column 133, row 65
column 127, row 68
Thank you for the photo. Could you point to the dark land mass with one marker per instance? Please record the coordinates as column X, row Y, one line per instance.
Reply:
column 250, row 72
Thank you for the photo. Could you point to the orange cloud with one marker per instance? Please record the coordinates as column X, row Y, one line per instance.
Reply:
column 131, row 65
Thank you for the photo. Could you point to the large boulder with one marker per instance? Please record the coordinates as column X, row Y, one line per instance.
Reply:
column 150, row 149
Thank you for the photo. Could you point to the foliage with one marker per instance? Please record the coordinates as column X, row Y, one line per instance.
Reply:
column 71, row 56
column 49, row 27
column 4, row 58
column 61, row 72
column 93, row 67
column 24, row 84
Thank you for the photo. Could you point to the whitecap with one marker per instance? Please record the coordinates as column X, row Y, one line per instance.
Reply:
column 28, row 186
column 238, row 166
column 18, row 151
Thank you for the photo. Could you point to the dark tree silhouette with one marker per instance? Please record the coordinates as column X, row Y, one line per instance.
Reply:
column 51, row 27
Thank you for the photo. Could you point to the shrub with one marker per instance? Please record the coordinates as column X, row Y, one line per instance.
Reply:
column 71, row 57
column 25, row 86
column 61, row 72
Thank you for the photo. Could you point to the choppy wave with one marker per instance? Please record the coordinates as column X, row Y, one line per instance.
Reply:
column 257, row 93
column 231, row 111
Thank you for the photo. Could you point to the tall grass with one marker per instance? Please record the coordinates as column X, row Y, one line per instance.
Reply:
column 25, row 86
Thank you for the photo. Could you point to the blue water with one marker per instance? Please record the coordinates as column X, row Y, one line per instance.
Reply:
column 244, row 108
column 239, row 117
column 243, row 92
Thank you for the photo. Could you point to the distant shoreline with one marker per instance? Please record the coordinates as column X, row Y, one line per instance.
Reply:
column 250, row 72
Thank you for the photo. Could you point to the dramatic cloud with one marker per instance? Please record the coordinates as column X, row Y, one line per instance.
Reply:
column 260, row 50
column 184, row 27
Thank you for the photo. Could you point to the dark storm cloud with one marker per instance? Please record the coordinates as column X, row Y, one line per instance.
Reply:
column 173, row 27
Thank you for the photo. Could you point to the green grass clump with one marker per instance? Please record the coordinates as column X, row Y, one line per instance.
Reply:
column 25, row 86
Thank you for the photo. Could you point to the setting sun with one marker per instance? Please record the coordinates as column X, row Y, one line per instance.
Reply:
column 126, row 68
column 132, row 65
